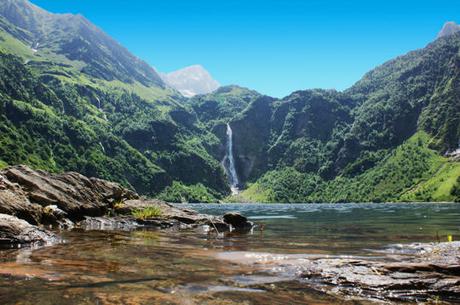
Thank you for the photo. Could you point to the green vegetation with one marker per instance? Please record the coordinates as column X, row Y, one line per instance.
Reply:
column 361, row 144
column 455, row 191
column 411, row 172
column 442, row 186
column 72, row 99
column 286, row 185
column 197, row 193
column 106, row 114
column 3, row 164
column 222, row 105
column 150, row 212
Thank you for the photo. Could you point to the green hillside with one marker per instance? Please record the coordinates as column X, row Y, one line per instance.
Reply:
column 59, row 113
column 73, row 99
column 411, row 172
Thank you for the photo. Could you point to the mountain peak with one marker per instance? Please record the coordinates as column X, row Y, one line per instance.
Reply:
column 448, row 29
column 77, row 39
column 191, row 81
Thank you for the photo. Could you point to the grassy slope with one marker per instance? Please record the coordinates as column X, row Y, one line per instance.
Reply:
column 9, row 44
column 411, row 172
column 438, row 187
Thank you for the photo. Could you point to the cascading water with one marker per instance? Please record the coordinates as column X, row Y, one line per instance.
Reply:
column 229, row 162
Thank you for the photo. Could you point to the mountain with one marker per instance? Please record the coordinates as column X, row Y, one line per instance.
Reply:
column 73, row 99
column 76, row 39
column 384, row 139
column 191, row 81
column 449, row 28
column 223, row 104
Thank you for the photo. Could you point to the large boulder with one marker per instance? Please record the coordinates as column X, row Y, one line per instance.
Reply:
column 17, row 231
column 25, row 193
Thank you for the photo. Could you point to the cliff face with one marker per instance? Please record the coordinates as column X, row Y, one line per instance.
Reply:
column 251, row 135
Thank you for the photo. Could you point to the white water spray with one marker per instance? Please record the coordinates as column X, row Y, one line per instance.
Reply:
column 229, row 162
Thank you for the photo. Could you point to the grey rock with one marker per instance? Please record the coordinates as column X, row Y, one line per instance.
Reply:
column 26, row 193
column 448, row 29
column 17, row 231
column 431, row 272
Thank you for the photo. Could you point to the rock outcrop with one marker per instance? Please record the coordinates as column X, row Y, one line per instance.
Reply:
column 32, row 198
column 172, row 215
column 40, row 197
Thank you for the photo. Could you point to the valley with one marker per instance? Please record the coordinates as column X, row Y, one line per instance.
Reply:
column 73, row 99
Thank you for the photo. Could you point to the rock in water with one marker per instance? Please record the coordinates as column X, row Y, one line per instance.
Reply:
column 431, row 272
column 17, row 231
column 237, row 221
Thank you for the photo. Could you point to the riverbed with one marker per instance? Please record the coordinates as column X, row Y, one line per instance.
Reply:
column 185, row 267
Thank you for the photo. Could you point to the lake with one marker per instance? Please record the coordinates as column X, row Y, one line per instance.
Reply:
column 161, row 267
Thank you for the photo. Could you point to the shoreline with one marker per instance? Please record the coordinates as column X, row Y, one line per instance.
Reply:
column 34, row 203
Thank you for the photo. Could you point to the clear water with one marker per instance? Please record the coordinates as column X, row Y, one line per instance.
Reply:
column 153, row 267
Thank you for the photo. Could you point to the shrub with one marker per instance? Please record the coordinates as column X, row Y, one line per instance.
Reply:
column 150, row 212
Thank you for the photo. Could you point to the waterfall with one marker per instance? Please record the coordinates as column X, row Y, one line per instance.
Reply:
column 229, row 162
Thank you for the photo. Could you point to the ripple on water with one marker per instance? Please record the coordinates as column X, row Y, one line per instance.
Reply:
column 272, row 217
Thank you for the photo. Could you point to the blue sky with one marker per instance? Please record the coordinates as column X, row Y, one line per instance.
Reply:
column 273, row 46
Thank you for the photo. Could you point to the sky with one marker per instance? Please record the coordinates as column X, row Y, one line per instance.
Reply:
column 273, row 46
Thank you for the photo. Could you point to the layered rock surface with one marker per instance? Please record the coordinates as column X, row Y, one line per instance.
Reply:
column 34, row 195
column 430, row 272
column 415, row 273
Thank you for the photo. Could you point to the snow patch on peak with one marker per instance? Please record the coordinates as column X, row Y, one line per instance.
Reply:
column 191, row 81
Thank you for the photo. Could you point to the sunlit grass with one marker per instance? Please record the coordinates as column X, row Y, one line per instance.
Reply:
column 3, row 164
column 150, row 212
